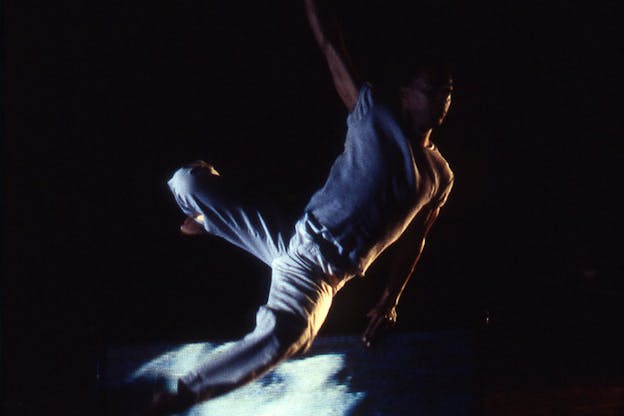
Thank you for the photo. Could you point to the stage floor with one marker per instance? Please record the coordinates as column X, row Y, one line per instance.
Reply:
column 421, row 373
column 490, row 372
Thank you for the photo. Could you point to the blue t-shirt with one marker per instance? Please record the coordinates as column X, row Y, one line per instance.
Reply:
column 375, row 187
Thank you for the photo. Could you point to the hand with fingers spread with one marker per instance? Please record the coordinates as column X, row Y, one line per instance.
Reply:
column 383, row 316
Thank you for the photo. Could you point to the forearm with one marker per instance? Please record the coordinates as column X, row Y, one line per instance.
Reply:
column 400, row 278
column 405, row 269
column 384, row 312
column 326, row 31
column 400, row 273
column 317, row 17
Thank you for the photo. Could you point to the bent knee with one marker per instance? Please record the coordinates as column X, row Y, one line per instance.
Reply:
column 192, row 177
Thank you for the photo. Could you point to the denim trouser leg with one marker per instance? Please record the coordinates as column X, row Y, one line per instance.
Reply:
column 286, row 326
column 299, row 298
column 199, row 190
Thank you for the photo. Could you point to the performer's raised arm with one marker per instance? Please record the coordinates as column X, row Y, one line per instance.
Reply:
column 327, row 34
column 384, row 313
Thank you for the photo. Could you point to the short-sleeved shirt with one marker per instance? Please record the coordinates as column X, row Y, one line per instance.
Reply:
column 375, row 187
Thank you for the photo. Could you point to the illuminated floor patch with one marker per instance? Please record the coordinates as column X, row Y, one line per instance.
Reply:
column 306, row 386
column 409, row 374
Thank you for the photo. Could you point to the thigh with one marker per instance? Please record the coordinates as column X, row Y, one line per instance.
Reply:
column 227, row 212
column 299, row 287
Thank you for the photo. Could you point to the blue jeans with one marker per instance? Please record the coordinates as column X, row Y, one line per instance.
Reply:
column 303, row 283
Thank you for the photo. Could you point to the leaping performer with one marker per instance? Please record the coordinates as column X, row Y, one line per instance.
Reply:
column 388, row 184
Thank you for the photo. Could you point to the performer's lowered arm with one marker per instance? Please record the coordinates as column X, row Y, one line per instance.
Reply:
column 327, row 34
column 384, row 312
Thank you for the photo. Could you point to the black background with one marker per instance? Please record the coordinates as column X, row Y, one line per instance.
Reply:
column 102, row 102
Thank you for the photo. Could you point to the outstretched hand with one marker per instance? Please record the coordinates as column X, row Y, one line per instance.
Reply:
column 382, row 316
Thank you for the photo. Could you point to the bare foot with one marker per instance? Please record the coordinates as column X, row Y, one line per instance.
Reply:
column 192, row 226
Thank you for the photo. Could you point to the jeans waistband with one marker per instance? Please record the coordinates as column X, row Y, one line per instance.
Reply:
column 310, row 229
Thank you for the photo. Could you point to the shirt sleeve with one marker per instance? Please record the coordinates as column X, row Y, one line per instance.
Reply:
column 363, row 104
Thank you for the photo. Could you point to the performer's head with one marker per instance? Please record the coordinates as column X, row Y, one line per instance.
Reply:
column 425, row 97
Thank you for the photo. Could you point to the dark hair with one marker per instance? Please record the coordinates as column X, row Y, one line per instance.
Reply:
column 401, row 71
column 436, row 73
